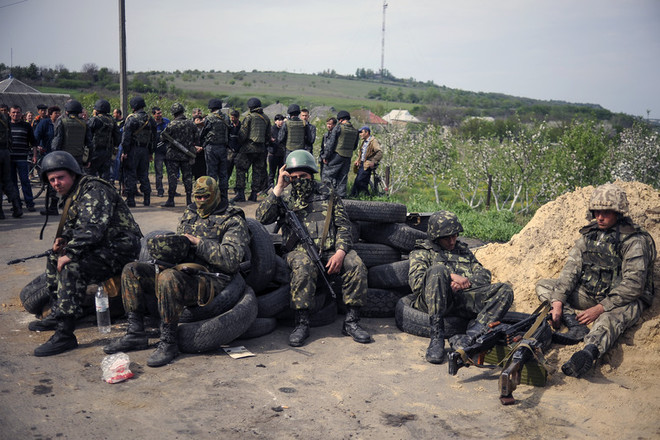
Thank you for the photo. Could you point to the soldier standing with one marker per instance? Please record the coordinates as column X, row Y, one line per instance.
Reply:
column 216, row 236
column 293, row 133
column 608, row 275
column 448, row 280
column 312, row 202
column 72, row 134
column 184, row 131
column 254, row 132
column 160, row 149
column 214, row 138
column 6, row 185
column 105, row 138
column 98, row 237
column 138, row 142
column 234, row 146
column 337, row 153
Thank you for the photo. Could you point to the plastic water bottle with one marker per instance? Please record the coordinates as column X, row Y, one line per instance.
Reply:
column 102, row 310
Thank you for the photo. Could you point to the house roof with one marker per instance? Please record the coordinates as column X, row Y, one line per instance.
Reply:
column 15, row 92
column 400, row 116
column 368, row 117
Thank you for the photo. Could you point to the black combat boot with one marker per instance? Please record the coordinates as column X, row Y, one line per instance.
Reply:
column 168, row 347
column 63, row 339
column 352, row 326
column 147, row 199
column 301, row 332
column 253, row 196
column 435, row 354
column 2, row 213
column 188, row 198
column 581, row 362
column 17, row 211
column 471, row 334
column 43, row 325
column 134, row 339
column 575, row 329
column 239, row 197
column 130, row 201
column 169, row 203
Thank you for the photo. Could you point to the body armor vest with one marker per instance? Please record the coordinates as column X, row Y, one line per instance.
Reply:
column 347, row 140
column 219, row 134
column 257, row 128
column 74, row 136
column 295, row 136
column 601, row 263
column 102, row 137
column 142, row 134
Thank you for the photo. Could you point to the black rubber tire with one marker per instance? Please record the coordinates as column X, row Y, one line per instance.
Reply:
column 34, row 296
column 378, row 212
column 380, row 303
column 282, row 272
column 221, row 302
column 274, row 302
column 374, row 254
column 260, row 327
column 416, row 322
column 262, row 256
column 389, row 276
column 144, row 252
column 397, row 235
column 211, row 334
column 355, row 231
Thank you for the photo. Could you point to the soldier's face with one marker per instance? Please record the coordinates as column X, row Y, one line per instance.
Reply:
column 61, row 181
column 299, row 175
column 448, row 243
column 606, row 219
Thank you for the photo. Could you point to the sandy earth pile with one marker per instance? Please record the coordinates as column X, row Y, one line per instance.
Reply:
column 541, row 248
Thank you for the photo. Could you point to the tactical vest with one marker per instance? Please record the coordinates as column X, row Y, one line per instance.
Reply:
column 102, row 137
column 219, row 134
column 347, row 140
column 142, row 133
column 295, row 135
column 74, row 135
column 257, row 128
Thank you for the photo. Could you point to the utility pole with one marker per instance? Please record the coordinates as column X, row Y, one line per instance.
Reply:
column 123, row 83
column 382, row 45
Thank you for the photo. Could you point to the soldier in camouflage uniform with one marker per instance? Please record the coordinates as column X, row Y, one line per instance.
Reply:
column 105, row 138
column 185, row 132
column 98, row 237
column 138, row 142
column 608, row 275
column 294, row 134
column 449, row 281
column 254, row 132
column 218, row 237
column 337, row 153
column 72, row 134
column 310, row 201
column 214, row 138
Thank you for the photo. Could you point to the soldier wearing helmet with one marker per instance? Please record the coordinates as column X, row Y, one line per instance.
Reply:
column 337, row 152
column 448, row 280
column 98, row 237
column 215, row 139
column 608, row 276
column 253, row 136
column 312, row 202
column 294, row 133
column 161, row 149
column 72, row 134
column 105, row 139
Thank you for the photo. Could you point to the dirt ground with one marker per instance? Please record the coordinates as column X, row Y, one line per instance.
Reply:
column 331, row 388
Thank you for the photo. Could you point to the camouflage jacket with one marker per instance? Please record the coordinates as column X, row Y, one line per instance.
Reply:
column 311, row 213
column 254, row 132
column 185, row 131
column 460, row 261
column 98, row 217
column 224, row 238
column 614, row 271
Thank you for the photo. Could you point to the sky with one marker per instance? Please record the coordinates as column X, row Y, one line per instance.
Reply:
column 603, row 52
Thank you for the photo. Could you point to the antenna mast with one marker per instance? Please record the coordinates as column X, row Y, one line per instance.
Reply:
column 382, row 46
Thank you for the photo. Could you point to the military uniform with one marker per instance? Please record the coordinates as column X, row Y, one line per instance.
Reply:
column 105, row 138
column 293, row 134
column 253, row 134
column 214, row 138
column 138, row 142
column 72, row 135
column 185, row 132
column 337, row 151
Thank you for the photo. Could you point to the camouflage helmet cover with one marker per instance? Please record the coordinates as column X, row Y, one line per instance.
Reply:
column 301, row 160
column 609, row 197
column 170, row 248
column 58, row 160
column 177, row 108
column 443, row 224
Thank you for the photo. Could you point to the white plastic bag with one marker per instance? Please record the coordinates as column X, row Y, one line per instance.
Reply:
column 115, row 368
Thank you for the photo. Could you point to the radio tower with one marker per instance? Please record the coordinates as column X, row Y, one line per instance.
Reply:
column 382, row 45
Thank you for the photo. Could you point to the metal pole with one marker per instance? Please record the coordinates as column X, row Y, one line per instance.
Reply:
column 123, row 83
column 382, row 45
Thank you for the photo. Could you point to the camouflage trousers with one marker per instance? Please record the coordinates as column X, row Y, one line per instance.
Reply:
column 304, row 279
column 607, row 328
column 243, row 162
column 173, row 169
column 136, row 168
column 159, row 161
column 168, row 294
column 335, row 174
column 486, row 303
column 68, row 288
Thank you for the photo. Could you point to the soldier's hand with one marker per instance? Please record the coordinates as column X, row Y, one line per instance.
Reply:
column 590, row 315
column 556, row 313
column 193, row 240
column 282, row 181
column 335, row 262
column 459, row 282
column 62, row 261
column 58, row 245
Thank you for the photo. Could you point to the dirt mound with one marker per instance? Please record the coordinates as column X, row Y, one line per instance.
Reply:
column 541, row 248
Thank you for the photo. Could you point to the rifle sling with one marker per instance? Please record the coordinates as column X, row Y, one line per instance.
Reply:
column 202, row 283
column 543, row 311
column 65, row 212
column 326, row 226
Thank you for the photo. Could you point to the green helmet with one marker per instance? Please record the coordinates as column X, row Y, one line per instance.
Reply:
column 609, row 197
column 301, row 160
column 177, row 108
column 170, row 248
column 58, row 160
column 443, row 224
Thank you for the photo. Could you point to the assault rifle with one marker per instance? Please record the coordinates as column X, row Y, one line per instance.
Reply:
column 498, row 334
column 193, row 269
column 301, row 232
column 21, row 260
column 178, row 146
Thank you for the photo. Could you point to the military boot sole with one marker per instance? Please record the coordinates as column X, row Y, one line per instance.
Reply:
column 43, row 325
column 48, row 349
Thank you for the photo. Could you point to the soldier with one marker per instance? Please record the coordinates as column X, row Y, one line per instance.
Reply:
column 160, row 150
column 293, row 133
column 138, row 142
column 310, row 129
column 337, row 152
column 608, row 275
column 105, row 138
column 448, row 280
column 312, row 203
column 234, row 130
column 211, row 235
column 254, row 132
column 367, row 161
column 183, row 131
column 214, row 138
column 72, row 134
column 98, row 237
